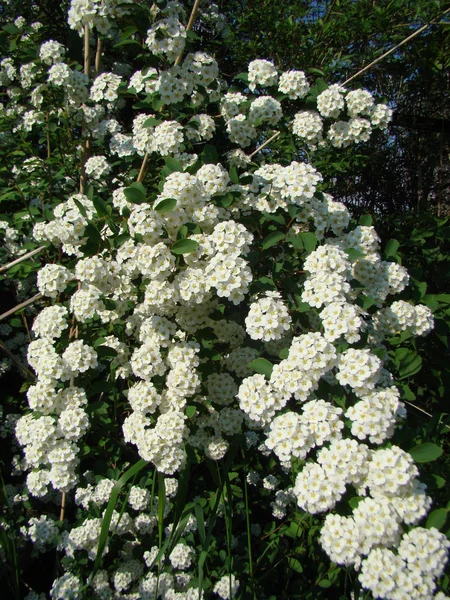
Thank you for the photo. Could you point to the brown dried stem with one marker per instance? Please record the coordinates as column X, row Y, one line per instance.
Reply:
column 21, row 259
column 10, row 312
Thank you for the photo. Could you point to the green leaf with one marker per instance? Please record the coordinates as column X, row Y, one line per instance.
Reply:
column 165, row 205
column 234, row 175
column 262, row 366
column 437, row 518
column 94, row 240
column 104, row 532
column 173, row 165
column 426, row 452
column 157, row 104
column 100, row 206
column 408, row 362
column 242, row 77
column 309, row 240
column 209, row 155
column 135, row 195
column 184, row 246
column 272, row 239
column 365, row 221
column 200, row 523
column 295, row 565
column 391, row 248
column 296, row 242
column 353, row 253
column 151, row 122
column 190, row 411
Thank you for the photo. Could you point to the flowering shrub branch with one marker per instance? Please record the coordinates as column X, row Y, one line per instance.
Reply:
column 201, row 307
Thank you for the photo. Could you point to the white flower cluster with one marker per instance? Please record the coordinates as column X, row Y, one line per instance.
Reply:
column 97, row 167
column 268, row 318
column 51, row 52
column 308, row 125
column 310, row 357
column 402, row 316
column 376, row 415
column 319, row 485
column 95, row 13
column 412, row 573
column 166, row 37
column 293, row 84
column 360, row 369
column 105, row 87
column 42, row 532
column 293, row 435
column 263, row 73
column 227, row 587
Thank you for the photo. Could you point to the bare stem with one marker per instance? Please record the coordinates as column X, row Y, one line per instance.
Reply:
column 10, row 312
column 266, row 143
column 143, row 168
column 98, row 55
column 86, row 143
column 21, row 259
column 405, row 41
column 63, row 507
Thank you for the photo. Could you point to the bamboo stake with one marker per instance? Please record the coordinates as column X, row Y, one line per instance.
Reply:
column 189, row 26
column 21, row 259
column 405, row 41
column 10, row 312
column 86, row 143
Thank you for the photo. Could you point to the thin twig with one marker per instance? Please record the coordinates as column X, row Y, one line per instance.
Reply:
column 266, row 143
column 19, row 364
column 21, row 259
column 405, row 41
column 143, row 168
column 10, row 312
column 424, row 412
column 189, row 26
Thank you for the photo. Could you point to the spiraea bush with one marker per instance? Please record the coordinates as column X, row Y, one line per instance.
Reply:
column 210, row 408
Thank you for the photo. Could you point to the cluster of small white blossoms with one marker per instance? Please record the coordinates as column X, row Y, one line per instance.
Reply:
column 294, row 435
column 376, row 415
column 66, row 229
column 402, row 316
column 412, row 572
column 97, row 167
column 268, row 318
column 167, row 37
column 105, row 87
column 363, row 115
column 42, row 532
column 227, row 587
column 51, row 52
column 96, row 13
column 310, row 358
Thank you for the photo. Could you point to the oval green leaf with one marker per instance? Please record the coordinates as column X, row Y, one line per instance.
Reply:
column 272, row 239
column 426, row 452
column 165, row 205
column 262, row 366
column 184, row 246
column 437, row 518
